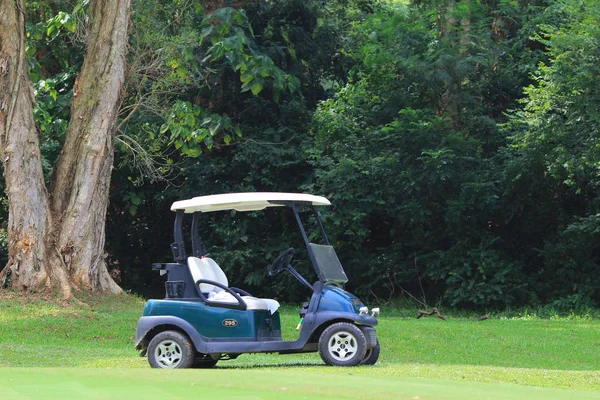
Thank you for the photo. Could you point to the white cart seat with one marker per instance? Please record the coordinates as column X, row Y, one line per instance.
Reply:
column 207, row 268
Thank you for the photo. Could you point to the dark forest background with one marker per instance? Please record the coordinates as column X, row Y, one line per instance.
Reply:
column 458, row 141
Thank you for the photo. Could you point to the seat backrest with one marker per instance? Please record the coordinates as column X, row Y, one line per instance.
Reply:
column 206, row 268
column 200, row 269
column 217, row 271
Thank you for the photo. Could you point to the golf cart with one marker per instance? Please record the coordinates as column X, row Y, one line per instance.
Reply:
column 202, row 320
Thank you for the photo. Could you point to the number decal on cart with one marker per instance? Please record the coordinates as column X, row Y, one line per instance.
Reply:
column 230, row 323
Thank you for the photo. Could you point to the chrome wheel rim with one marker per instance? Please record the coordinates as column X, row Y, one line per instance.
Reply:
column 168, row 354
column 342, row 346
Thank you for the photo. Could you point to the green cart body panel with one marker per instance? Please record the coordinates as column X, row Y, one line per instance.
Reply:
column 219, row 322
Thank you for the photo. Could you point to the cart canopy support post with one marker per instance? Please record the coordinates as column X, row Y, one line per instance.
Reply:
column 198, row 249
column 178, row 247
column 320, row 221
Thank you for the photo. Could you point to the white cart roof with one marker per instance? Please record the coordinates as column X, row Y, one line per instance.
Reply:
column 251, row 201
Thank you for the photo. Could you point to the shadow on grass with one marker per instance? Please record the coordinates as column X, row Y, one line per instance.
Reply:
column 273, row 365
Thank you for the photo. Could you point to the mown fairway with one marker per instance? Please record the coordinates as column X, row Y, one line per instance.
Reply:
column 90, row 349
column 271, row 383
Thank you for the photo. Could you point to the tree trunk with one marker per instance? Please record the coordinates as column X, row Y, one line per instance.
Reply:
column 447, row 22
column 465, row 31
column 81, row 182
column 59, row 241
column 19, row 148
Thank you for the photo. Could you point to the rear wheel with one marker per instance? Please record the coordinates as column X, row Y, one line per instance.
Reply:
column 205, row 361
column 371, row 356
column 170, row 349
column 342, row 344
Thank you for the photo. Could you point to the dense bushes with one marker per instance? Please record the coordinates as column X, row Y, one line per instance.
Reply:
column 458, row 143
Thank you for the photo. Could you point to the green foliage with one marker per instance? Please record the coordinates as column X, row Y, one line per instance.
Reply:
column 61, row 21
column 480, row 276
column 458, row 141
column 135, row 200
column 225, row 31
column 193, row 56
column 431, row 209
column 555, row 156
column 55, row 54
column 189, row 126
column 219, row 136
column 406, row 161
column 429, row 193
column 3, row 243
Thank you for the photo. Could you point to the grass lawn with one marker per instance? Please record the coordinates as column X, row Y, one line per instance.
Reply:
column 89, row 346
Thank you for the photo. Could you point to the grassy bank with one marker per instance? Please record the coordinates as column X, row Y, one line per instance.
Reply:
column 525, row 350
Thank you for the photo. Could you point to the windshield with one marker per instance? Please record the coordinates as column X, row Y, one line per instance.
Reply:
column 328, row 265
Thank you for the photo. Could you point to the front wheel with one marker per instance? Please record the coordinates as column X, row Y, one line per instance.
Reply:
column 342, row 344
column 371, row 356
column 170, row 349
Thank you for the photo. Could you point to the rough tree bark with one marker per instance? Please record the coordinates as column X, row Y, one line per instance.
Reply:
column 28, row 220
column 56, row 236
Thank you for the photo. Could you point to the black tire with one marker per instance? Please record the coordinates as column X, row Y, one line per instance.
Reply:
column 204, row 361
column 343, row 345
column 371, row 356
column 170, row 349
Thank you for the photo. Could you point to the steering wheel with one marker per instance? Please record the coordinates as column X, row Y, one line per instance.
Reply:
column 281, row 262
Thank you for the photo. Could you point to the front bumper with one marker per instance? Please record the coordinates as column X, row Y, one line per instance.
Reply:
column 370, row 334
